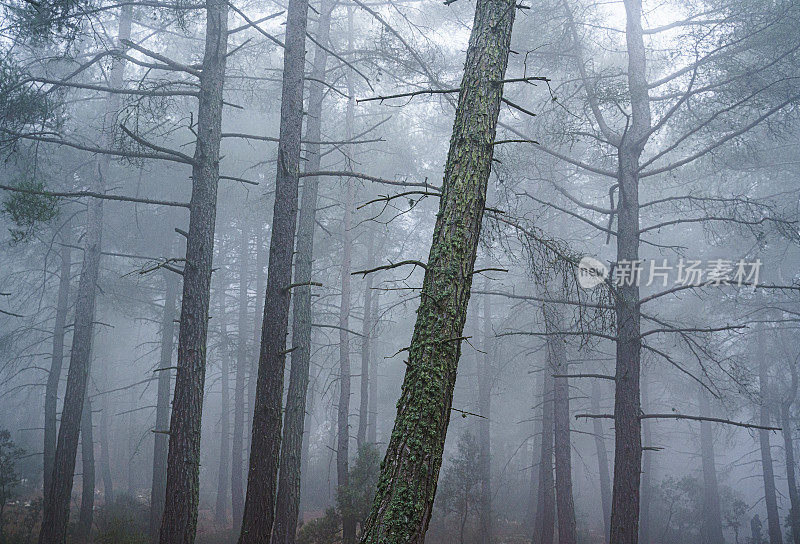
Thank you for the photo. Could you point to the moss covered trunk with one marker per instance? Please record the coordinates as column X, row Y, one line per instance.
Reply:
column 409, row 472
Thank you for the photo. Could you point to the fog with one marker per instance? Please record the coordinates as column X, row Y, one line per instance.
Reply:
column 399, row 271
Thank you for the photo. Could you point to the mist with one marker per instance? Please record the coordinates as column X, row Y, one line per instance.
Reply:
column 399, row 271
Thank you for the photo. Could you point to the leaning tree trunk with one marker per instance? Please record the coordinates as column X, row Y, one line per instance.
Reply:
column 366, row 332
column 87, row 471
column 602, row 459
column 712, row 516
column 544, row 522
column 770, row 499
column 292, row 451
column 57, row 360
column 410, row 470
column 179, row 522
column 259, row 508
column 237, row 491
column 557, row 354
column 484, row 427
column 56, row 508
column 627, row 405
column 223, row 478
column 372, row 423
column 161, row 441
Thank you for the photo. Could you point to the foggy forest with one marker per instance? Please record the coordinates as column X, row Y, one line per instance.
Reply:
column 399, row 271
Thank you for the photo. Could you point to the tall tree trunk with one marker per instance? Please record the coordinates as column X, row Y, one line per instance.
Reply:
column 237, row 492
column 260, row 278
column 343, row 414
column 712, row 516
column 372, row 423
column 105, row 457
column 179, row 522
column 366, row 332
column 259, row 508
column 557, row 354
column 627, row 406
column 544, row 523
column 161, row 440
column 293, row 448
column 56, row 509
column 484, row 428
column 86, row 513
column 410, row 470
column 770, row 499
column 223, row 476
column 54, row 375
column 602, row 459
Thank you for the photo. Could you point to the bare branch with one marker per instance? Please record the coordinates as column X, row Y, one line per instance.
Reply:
column 91, row 194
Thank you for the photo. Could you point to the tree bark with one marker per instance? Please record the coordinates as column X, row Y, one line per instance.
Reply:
column 56, row 509
column 485, row 377
column 366, row 332
column 602, row 459
column 237, row 491
column 712, row 515
column 86, row 513
column 557, row 354
column 223, row 476
column 259, row 509
column 407, row 483
column 161, row 440
column 179, row 522
column 544, row 522
column 770, row 499
column 56, row 363
column 294, row 435
column 627, row 406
